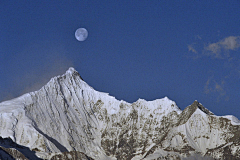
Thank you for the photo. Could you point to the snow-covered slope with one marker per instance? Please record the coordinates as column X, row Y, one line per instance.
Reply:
column 67, row 115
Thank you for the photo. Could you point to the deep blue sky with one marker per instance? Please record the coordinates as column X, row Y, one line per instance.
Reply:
column 187, row 50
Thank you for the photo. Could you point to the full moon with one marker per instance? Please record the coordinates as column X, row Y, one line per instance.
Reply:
column 81, row 34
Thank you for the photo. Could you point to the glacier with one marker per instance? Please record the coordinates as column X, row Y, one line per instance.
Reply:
column 67, row 117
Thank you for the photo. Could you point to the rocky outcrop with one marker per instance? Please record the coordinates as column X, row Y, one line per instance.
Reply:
column 72, row 155
column 11, row 150
column 67, row 119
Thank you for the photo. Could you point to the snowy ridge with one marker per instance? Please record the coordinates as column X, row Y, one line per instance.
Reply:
column 67, row 115
column 233, row 119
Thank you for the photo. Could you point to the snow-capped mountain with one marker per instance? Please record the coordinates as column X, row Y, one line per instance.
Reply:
column 68, row 119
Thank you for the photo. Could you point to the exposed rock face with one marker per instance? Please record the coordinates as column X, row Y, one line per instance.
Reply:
column 10, row 150
column 72, row 155
column 67, row 119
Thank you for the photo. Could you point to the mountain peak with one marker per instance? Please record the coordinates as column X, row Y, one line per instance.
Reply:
column 67, row 117
column 71, row 70
column 200, row 106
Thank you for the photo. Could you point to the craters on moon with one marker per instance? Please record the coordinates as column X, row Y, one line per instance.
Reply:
column 81, row 34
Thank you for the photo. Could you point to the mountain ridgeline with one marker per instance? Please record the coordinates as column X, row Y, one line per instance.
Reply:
column 68, row 119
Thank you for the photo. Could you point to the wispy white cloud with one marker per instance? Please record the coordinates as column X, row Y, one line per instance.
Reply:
column 221, row 48
column 198, row 37
column 212, row 86
column 226, row 49
column 231, row 42
column 194, row 54
column 192, row 49
column 214, row 49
